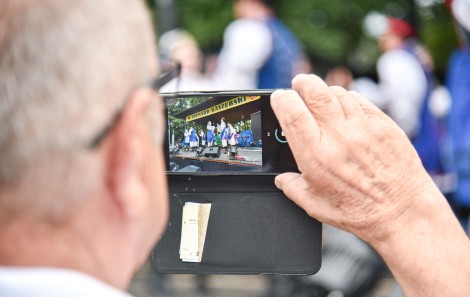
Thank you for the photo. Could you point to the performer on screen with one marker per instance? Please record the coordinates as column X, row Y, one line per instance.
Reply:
column 231, row 135
column 210, row 134
column 193, row 138
column 224, row 138
column 202, row 137
column 218, row 141
column 221, row 128
column 186, row 138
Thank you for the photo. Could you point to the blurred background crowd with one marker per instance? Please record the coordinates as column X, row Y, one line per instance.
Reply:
column 409, row 57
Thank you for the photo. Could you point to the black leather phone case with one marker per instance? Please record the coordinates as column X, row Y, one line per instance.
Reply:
column 253, row 228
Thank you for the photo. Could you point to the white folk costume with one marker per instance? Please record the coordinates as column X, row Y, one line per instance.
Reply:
column 186, row 138
column 231, row 135
column 193, row 138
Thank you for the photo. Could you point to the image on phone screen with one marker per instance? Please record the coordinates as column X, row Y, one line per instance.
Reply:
column 225, row 133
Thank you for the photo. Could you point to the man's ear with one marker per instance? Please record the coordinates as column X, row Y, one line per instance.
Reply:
column 125, row 149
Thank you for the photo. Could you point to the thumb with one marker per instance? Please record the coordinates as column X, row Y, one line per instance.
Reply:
column 298, row 190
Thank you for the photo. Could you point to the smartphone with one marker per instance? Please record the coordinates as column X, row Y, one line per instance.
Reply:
column 224, row 149
column 229, row 132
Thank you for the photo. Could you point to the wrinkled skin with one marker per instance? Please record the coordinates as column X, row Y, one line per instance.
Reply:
column 359, row 172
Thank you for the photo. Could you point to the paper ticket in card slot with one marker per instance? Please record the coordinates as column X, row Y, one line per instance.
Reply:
column 193, row 231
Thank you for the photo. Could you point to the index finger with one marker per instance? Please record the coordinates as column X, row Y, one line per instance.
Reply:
column 297, row 122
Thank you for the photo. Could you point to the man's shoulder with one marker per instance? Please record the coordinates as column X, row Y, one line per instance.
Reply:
column 39, row 282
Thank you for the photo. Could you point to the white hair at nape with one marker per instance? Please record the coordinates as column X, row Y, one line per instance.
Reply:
column 65, row 68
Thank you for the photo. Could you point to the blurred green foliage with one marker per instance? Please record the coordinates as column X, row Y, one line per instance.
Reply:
column 178, row 124
column 331, row 31
column 206, row 20
column 438, row 33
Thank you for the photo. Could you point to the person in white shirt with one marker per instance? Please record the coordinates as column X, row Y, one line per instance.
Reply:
column 402, row 79
column 83, row 190
column 259, row 51
column 406, row 79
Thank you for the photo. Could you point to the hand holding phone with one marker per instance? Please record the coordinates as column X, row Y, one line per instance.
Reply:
column 252, row 227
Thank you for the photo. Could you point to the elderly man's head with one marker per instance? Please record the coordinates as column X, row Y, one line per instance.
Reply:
column 68, row 69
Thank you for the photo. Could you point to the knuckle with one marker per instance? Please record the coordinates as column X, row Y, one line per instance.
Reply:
column 294, row 118
column 321, row 99
column 337, row 90
column 292, row 185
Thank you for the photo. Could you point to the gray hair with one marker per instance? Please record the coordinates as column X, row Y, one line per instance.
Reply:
column 65, row 68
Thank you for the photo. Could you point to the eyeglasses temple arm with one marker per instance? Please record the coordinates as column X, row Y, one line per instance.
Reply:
column 166, row 78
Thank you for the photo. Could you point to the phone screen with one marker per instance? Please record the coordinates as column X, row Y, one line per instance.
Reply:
column 225, row 133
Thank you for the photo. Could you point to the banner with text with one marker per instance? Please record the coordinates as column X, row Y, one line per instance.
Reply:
column 232, row 103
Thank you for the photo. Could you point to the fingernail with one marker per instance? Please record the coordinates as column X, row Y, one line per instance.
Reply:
column 275, row 94
column 277, row 183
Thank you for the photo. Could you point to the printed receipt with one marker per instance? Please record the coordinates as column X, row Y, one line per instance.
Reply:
column 193, row 231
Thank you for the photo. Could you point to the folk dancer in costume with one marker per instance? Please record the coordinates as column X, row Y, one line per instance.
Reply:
column 231, row 135
column 273, row 57
column 210, row 134
column 224, row 137
column 186, row 138
column 202, row 137
column 221, row 128
column 193, row 138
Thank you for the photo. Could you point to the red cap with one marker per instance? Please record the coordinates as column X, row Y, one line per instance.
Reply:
column 400, row 27
column 448, row 3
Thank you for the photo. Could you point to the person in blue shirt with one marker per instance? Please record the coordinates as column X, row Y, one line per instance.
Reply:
column 458, row 81
column 259, row 51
